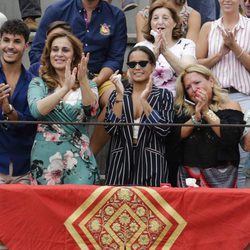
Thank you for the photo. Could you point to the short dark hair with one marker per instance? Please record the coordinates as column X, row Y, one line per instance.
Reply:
column 146, row 50
column 15, row 27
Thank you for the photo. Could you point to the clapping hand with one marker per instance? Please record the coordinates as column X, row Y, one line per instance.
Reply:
column 82, row 69
column 70, row 76
column 224, row 50
column 146, row 92
column 116, row 79
column 229, row 38
column 157, row 45
column 164, row 44
column 202, row 98
column 4, row 92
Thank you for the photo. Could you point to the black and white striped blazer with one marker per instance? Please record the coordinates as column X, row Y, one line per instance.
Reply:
column 144, row 163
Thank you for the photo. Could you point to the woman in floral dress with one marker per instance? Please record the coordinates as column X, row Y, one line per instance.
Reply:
column 63, row 93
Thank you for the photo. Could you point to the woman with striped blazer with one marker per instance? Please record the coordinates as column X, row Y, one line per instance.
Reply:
column 137, row 154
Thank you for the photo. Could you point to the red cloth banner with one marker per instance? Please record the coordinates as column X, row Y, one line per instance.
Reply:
column 102, row 217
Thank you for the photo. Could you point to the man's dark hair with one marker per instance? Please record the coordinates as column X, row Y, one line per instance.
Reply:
column 15, row 27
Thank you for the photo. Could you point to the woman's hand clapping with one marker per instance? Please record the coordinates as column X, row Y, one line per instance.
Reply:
column 82, row 69
column 146, row 92
column 202, row 104
column 70, row 76
column 116, row 80
column 229, row 38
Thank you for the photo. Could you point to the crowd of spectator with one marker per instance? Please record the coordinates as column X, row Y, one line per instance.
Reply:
column 190, row 66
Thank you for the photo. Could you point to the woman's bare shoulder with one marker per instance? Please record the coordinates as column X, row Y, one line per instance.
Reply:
column 230, row 104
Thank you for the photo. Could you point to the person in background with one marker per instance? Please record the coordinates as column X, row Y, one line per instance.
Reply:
column 222, row 47
column 30, row 10
column 137, row 153
column 61, row 152
column 210, row 155
column 246, row 7
column 15, row 139
column 209, row 10
column 190, row 20
column 245, row 144
column 126, row 4
column 102, row 29
column 245, row 140
column 54, row 27
column 163, row 36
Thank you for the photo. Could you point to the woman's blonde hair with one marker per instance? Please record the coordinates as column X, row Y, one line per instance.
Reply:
column 47, row 71
column 219, row 96
column 177, row 32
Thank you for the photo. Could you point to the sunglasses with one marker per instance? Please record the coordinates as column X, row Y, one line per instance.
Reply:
column 142, row 64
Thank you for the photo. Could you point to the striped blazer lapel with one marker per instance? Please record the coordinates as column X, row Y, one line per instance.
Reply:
column 128, row 110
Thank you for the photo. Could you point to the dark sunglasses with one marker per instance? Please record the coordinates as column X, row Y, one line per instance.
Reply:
column 142, row 64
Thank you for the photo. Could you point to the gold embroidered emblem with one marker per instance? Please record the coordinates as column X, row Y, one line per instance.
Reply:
column 125, row 218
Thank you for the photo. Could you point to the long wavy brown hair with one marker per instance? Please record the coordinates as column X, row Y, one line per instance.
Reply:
column 47, row 71
column 177, row 32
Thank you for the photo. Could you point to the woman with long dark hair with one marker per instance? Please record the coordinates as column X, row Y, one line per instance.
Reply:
column 137, row 153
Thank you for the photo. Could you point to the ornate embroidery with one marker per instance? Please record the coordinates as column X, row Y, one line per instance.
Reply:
column 122, row 217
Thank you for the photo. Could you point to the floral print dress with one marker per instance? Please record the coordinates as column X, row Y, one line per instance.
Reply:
column 61, row 152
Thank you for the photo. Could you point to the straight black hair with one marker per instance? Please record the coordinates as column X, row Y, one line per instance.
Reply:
column 15, row 27
column 146, row 50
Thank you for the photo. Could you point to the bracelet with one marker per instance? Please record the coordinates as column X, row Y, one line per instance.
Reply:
column 194, row 121
column 211, row 115
column 241, row 53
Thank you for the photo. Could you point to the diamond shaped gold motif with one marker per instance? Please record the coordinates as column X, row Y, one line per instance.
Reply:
column 119, row 217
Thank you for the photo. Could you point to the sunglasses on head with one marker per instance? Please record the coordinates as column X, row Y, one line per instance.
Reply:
column 142, row 64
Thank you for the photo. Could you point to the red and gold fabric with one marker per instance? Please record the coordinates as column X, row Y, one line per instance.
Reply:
column 102, row 217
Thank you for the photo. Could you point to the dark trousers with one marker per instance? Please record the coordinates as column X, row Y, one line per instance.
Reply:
column 30, row 8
